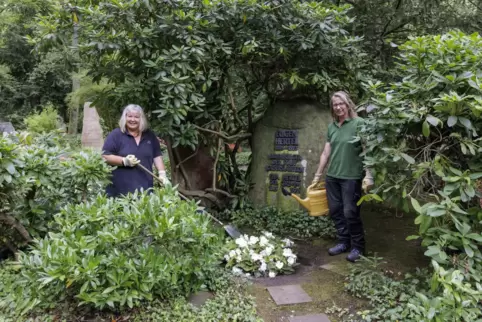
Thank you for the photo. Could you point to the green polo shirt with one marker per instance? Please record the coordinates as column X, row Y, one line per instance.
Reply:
column 345, row 159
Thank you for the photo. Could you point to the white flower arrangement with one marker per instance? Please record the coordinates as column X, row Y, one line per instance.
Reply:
column 257, row 256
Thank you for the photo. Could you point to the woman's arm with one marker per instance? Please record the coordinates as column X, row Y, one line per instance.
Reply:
column 159, row 163
column 324, row 158
column 114, row 160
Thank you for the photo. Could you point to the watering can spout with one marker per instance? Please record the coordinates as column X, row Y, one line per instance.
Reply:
column 304, row 202
column 315, row 202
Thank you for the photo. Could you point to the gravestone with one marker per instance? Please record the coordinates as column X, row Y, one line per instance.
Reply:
column 287, row 143
column 92, row 136
column 6, row 127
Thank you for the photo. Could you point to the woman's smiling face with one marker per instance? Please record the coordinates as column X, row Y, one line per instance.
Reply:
column 339, row 107
column 133, row 120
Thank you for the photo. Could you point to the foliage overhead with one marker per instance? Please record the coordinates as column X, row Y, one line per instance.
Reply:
column 185, row 60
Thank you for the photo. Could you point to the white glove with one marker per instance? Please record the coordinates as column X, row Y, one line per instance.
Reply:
column 163, row 177
column 367, row 182
column 130, row 161
column 316, row 179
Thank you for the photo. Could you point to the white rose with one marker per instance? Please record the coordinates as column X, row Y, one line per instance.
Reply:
column 248, row 275
column 268, row 251
column 253, row 240
column 238, row 251
column 263, row 267
column 291, row 260
column 287, row 252
column 232, row 253
column 279, row 265
column 263, row 241
column 288, row 242
column 267, row 234
column 255, row 257
column 226, row 257
column 272, row 274
column 241, row 242
column 238, row 258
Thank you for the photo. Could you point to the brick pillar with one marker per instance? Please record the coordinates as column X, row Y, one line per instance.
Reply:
column 92, row 136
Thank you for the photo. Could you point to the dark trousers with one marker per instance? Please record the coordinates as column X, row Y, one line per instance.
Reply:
column 343, row 195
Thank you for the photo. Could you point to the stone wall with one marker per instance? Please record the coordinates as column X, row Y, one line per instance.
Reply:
column 287, row 144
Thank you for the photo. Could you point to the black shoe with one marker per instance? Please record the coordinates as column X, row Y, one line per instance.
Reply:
column 354, row 255
column 338, row 249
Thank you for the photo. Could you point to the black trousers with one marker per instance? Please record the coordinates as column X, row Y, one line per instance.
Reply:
column 343, row 195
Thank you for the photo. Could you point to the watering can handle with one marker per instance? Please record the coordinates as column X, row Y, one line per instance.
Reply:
column 311, row 186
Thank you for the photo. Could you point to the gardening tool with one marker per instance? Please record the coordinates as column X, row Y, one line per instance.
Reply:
column 315, row 202
column 230, row 229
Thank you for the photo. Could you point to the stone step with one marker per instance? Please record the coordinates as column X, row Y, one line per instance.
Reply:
column 288, row 294
column 310, row 318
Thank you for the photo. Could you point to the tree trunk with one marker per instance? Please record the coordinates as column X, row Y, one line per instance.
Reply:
column 193, row 172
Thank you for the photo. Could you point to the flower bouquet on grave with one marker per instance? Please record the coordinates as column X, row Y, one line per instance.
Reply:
column 260, row 256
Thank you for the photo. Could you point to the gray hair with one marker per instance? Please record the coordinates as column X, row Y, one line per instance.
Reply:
column 143, row 125
column 347, row 100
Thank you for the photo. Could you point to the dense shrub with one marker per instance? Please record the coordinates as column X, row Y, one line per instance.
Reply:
column 282, row 223
column 119, row 252
column 47, row 120
column 37, row 177
column 423, row 145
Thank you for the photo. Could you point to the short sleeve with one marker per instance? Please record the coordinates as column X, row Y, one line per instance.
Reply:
column 156, row 146
column 328, row 135
column 110, row 145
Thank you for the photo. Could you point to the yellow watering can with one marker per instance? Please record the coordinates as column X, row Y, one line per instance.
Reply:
column 315, row 202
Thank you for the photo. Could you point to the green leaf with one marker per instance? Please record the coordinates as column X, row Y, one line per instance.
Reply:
column 465, row 122
column 10, row 168
column 469, row 251
column 426, row 129
column 412, row 237
column 452, row 120
column 408, row 158
column 416, row 205
column 425, row 225
column 474, row 236
column 433, row 120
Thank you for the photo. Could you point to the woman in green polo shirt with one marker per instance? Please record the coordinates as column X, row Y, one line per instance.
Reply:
column 344, row 177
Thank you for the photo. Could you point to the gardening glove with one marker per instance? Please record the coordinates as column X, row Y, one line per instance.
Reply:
column 163, row 177
column 367, row 182
column 130, row 161
column 316, row 179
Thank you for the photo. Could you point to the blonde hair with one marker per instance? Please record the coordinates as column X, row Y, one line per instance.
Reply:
column 143, row 125
column 347, row 100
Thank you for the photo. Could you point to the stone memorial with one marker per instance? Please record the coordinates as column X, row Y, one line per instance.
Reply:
column 92, row 135
column 6, row 127
column 287, row 143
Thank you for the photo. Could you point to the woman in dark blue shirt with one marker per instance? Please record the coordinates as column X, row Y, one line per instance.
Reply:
column 130, row 144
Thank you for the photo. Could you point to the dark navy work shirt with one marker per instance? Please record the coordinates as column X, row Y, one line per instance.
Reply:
column 128, row 179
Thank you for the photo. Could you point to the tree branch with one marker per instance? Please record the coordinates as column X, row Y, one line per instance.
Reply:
column 9, row 220
column 188, row 158
column 223, row 135
column 201, row 194
column 220, row 142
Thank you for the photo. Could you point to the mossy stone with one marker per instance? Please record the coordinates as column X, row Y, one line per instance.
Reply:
column 304, row 117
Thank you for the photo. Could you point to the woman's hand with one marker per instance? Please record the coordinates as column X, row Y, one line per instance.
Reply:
column 163, row 177
column 130, row 161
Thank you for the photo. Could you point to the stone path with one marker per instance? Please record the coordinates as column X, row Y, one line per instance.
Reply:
column 294, row 294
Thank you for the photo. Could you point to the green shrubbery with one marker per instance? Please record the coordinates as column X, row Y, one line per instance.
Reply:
column 282, row 223
column 425, row 151
column 47, row 120
column 119, row 252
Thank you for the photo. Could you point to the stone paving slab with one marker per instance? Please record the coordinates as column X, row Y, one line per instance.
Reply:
column 288, row 294
column 310, row 318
